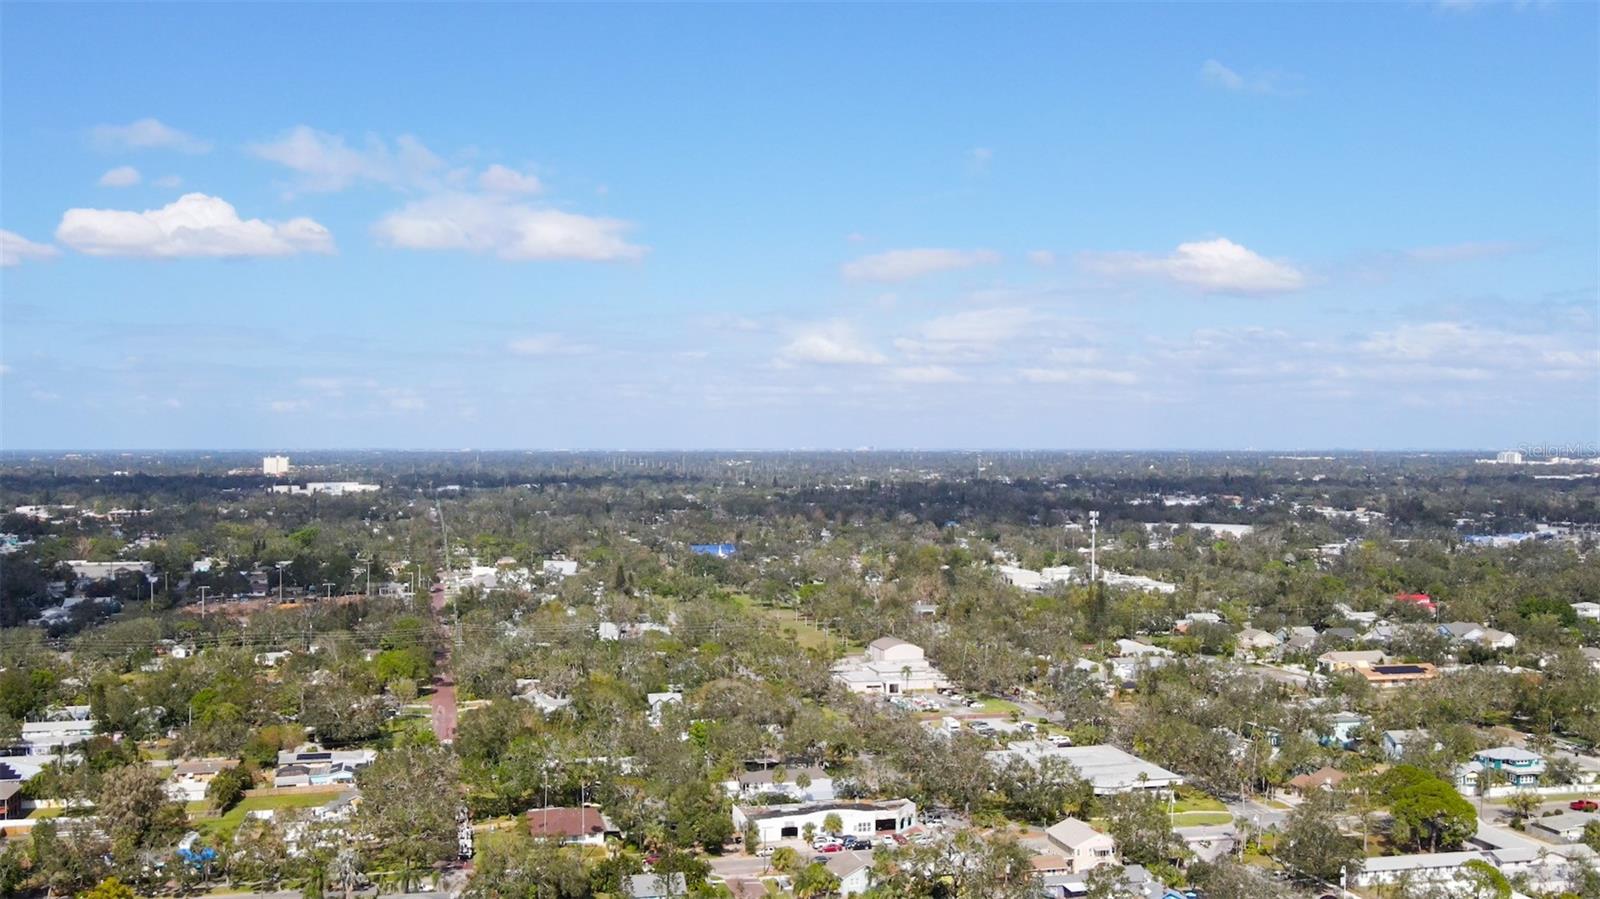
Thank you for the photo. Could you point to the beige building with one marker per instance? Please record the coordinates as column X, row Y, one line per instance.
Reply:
column 1082, row 846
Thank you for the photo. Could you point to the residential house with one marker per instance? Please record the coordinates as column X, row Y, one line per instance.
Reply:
column 191, row 777
column 1589, row 610
column 1520, row 767
column 1398, row 674
column 1417, row 600
column 1340, row 661
column 1127, row 647
column 1397, row 742
column 658, row 703
column 1081, row 845
column 1469, row 632
column 1567, row 827
column 890, row 667
column 585, row 826
column 860, row 819
column 57, row 736
column 854, row 870
column 1325, row 778
column 1193, row 618
column 559, row 568
column 1342, row 727
column 1255, row 640
column 528, row 690
column 310, row 766
column 655, row 886
column 11, row 800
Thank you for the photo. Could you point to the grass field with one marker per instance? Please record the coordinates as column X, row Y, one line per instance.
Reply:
column 993, row 706
column 236, row 815
column 1195, row 819
column 1191, row 801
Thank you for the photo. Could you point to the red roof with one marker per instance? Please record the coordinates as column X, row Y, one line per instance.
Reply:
column 571, row 823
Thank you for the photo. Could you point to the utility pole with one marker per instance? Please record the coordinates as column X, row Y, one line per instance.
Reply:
column 1094, row 546
column 203, row 601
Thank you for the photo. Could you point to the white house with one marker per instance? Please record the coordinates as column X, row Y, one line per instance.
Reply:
column 1127, row 647
column 854, row 870
column 309, row 766
column 559, row 568
column 659, row 702
column 1395, row 742
column 1589, row 610
column 50, row 737
column 859, row 819
column 1081, row 845
column 1253, row 639
column 890, row 666
column 1566, row 827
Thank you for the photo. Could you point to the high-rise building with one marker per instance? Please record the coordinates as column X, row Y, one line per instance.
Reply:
column 1509, row 457
column 275, row 466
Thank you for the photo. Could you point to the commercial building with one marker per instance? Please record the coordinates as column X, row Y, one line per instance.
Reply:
column 274, row 466
column 859, row 819
column 890, row 667
column 1108, row 769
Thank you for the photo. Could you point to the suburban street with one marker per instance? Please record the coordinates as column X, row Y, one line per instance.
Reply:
column 444, row 685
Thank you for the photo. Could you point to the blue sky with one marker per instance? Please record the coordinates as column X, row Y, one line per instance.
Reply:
column 1191, row 226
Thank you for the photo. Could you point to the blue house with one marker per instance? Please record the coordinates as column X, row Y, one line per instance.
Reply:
column 719, row 550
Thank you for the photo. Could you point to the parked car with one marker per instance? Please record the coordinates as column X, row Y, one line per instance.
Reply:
column 764, row 851
column 833, row 847
column 1583, row 805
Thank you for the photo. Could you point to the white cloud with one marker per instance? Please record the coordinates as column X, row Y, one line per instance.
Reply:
column 546, row 345
column 121, row 176
column 1215, row 73
column 829, row 343
column 326, row 163
column 507, row 229
column 501, row 180
column 1077, row 376
column 286, row 406
column 969, row 335
column 902, row 265
column 16, row 249
column 927, row 374
column 1042, row 258
column 168, row 181
column 147, row 134
column 1212, row 266
column 193, row 225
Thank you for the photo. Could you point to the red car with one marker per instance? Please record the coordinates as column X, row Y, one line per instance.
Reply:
column 1584, row 805
column 832, row 847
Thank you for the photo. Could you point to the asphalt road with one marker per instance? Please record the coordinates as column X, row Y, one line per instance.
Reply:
column 444, row 685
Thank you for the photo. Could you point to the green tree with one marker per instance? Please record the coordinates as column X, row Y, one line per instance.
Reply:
column 814, row 880
column 1312, row 845
column 409, row 800
column 1428, row 812
column 1139, row 823
column 832, row 823
column 136, row 813
column 227, row 788
column 110, row 888
column 1484, row 881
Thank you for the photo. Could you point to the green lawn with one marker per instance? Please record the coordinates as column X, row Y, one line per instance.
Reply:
column 992, row 706
column 1195, row 819
column 1194, row 801
column 236, row 815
